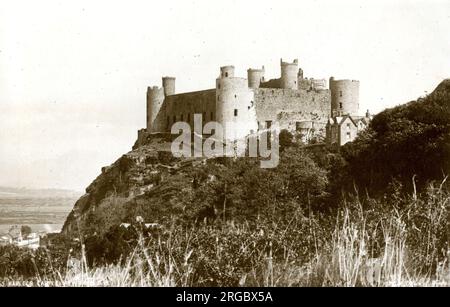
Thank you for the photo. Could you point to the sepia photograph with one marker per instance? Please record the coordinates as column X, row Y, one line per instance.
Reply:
column 224, row 149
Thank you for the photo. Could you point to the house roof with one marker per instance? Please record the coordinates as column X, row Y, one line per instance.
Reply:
column 339, row 120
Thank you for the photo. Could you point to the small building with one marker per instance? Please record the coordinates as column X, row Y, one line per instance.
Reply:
column 343, row 129
column 6, row 239
column 15, row 237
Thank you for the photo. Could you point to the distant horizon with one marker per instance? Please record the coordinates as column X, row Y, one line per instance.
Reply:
column 6, row 189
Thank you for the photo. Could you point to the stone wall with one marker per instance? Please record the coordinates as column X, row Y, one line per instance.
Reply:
column 182, row 107
column 292, row 107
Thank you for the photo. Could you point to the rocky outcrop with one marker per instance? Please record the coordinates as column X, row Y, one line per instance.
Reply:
column 132, row 181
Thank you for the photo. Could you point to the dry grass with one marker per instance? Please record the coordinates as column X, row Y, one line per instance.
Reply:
column 348, row 258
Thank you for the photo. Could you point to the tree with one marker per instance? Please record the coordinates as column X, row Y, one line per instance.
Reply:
column 25, row 230
column 402, row 142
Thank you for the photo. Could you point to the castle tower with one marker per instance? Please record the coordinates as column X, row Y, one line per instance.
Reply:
column 227, row 71
column 255, row 77
column 155, row 99
column 344, row 97
column 168, row 84
column 289, row 75
column 235, row 108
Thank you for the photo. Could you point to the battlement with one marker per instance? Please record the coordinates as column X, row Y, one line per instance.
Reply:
column 256, row 69
column 282, row 63
column 154, row 88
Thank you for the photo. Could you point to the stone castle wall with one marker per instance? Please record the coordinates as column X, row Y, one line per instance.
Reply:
column 182, row 107
column 286, row 106
column 291, row 107
column 296, row 103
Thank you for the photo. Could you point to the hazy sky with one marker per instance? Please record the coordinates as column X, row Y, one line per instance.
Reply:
column 73, row 74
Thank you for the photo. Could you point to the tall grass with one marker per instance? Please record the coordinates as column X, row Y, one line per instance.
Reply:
column 403, row 242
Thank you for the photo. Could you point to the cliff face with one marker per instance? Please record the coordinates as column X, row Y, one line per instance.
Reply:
column 133, row 185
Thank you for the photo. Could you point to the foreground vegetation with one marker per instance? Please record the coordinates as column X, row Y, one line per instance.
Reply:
column 361, row 245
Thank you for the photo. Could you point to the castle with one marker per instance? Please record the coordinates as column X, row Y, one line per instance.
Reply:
column 305, row 107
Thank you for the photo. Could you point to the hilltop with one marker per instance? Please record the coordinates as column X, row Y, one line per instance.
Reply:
column 411, row 139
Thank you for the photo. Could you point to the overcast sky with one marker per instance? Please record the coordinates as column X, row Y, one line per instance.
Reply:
column 73, row 74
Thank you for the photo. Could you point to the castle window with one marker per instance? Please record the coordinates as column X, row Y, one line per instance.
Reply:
column 218, row 85
column 235, row 96
column 235, row 112
column 340, row 93
column 348, row 135
column 226, row 74
column 252, row 103
column 348, row 126
column 340, row 105
column 268, row 124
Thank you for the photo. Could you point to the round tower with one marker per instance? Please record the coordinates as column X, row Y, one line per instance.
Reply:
column 155, row 99
column 255, row 77
column 235, row 109
column 227, row 71
column 344, row 97
column 168, row 84
column 289, row 78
